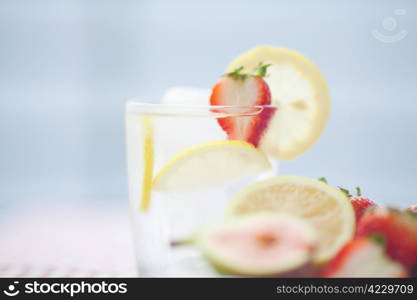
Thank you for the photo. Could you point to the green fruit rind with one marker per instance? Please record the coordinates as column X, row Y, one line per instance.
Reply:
column 227, row 263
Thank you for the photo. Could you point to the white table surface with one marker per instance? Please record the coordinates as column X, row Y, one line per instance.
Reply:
column 66, row 241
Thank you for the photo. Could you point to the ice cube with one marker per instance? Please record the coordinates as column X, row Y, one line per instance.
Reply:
column 189, row 127
column 186, row 95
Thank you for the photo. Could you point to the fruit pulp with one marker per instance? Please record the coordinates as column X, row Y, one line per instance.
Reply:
column 163, row 217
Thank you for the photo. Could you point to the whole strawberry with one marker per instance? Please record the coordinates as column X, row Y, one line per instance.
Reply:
column 398, row 228
column 359, row 203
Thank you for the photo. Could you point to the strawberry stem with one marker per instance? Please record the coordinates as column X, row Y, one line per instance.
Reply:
column 261, row 69
column 322, row 179
column 345, row 191
column 237, row 74
column 358, row 191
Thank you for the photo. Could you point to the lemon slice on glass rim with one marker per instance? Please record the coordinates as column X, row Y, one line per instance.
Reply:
column 302, row 96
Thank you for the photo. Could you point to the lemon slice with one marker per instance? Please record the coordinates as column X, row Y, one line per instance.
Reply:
column 148, row 162
column 326, row 208
column 209, row 164
column 300, row 91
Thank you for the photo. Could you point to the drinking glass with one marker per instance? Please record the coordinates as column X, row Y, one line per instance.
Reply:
column 163, row 219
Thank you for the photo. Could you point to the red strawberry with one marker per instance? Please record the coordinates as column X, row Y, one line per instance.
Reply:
column 240, row 89
column 399, row 230
column 412, row 208
column 359, row 203
column 363, row 257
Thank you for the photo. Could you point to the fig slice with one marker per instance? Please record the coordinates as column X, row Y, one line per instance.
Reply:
column 258, row 245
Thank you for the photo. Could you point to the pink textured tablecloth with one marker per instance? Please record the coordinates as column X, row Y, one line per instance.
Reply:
column 84, row 241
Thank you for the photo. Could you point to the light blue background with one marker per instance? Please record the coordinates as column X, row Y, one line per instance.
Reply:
column 66, row 68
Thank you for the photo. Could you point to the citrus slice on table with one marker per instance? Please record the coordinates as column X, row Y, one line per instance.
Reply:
column 326, row 208
column 209, row 164
column 301, row 93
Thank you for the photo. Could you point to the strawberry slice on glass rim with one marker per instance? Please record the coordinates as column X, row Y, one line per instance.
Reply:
column 244, row 90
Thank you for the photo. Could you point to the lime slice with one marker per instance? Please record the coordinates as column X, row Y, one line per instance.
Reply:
column 300, row 91
column 148, row 161
column 326, row 208
column 208, row 164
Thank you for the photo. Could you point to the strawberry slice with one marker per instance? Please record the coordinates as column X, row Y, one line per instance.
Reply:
column 363, row 257
column 399, row 230
column 243, row 89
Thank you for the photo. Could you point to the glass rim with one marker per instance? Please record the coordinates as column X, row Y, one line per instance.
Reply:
column 217, row 111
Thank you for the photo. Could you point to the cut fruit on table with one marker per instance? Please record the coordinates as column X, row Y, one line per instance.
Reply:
column 364, row 257
column 326, row 208
column 209, row 164
column 398, row 228
column 262, row 244
column 302, row 96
